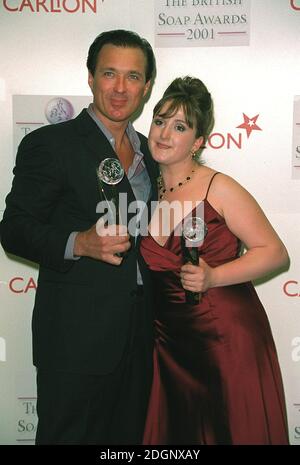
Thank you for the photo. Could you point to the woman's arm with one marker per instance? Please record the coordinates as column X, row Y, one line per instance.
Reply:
column 246, row 220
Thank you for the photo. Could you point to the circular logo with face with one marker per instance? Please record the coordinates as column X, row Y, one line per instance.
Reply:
column 58, row 110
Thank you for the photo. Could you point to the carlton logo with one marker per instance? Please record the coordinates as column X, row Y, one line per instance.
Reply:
column 19, row 285
column 292, row 288
column 51, row 6
column 217, row 140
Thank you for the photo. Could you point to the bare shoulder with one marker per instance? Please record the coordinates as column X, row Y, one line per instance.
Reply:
column 205, row 174
column 206, row 171
column 226, row 191
column 225, row 185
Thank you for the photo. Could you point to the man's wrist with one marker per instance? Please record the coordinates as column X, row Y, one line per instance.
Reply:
column 70, row 247
column 78, row 247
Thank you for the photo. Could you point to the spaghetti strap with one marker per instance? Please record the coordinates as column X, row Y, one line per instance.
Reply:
column 211, row 180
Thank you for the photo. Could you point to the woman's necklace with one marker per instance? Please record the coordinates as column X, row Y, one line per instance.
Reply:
column 163, row 190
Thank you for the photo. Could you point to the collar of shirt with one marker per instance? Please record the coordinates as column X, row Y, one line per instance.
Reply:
column 138, row 163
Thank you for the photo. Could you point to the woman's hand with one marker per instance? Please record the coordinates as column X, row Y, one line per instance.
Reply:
column 196, row 278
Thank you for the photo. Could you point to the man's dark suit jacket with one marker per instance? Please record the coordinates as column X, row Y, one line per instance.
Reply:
column 82, row 311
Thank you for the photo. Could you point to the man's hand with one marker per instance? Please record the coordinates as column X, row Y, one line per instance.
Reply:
column 102, row 243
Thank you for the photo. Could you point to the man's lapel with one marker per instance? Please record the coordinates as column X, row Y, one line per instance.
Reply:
column 99, row 148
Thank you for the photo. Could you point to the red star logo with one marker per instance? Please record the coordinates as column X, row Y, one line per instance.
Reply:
column 249, row 124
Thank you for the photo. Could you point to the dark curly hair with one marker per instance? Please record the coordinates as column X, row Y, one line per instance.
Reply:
column 121, row 38
column 190, row 94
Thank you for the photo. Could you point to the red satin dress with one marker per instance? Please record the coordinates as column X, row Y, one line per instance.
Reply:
column 216, row 374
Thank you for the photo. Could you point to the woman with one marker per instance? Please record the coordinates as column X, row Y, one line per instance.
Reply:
column 217, row 379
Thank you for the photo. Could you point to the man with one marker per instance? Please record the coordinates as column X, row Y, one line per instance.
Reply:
column 92, row 329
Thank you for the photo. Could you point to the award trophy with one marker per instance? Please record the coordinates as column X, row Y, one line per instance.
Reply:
column 111, row 172
column 193, row 234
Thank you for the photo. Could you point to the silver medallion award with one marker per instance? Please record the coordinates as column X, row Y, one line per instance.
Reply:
column 111, row 172
column 193, row 234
